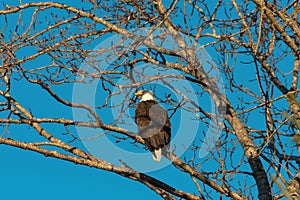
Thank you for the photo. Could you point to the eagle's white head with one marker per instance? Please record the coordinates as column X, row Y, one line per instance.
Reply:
column 145, row 95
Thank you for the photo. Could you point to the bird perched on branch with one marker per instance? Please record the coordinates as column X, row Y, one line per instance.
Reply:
column 153, row 124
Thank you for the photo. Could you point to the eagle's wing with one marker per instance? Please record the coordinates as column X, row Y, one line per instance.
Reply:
column 158, row 116
column 160, row 120
column 158, row 130
column 154, row 128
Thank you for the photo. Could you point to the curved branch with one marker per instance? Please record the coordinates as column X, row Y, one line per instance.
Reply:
column 159, row 187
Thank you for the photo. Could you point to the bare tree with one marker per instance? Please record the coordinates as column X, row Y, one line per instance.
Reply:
column 240, row 60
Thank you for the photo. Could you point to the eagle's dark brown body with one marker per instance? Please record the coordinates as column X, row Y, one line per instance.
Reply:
column 153, row 126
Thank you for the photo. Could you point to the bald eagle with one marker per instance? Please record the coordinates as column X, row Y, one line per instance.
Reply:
column 153, row 124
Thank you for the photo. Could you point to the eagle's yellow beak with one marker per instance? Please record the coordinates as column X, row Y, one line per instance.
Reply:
column 139, row 93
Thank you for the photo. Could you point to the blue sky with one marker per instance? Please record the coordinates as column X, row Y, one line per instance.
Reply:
column 29, row 175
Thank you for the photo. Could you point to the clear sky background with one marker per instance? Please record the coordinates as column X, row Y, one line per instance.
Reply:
column 29, row 175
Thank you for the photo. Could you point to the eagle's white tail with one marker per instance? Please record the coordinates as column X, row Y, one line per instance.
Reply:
column 156, row 154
